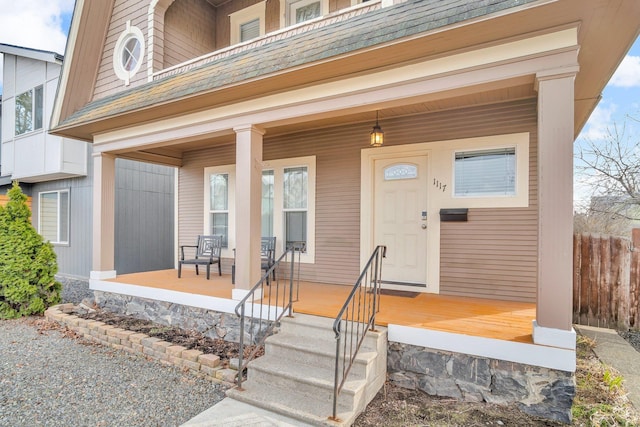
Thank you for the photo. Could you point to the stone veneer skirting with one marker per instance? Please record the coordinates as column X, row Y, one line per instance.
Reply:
column 199, row 363
column 542, row 392
column 211, row 324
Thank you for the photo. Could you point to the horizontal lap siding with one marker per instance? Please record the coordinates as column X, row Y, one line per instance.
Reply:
column 507, row 234
column 189, row 31
column 337, row 154
column 107, row 82
column 494, row 254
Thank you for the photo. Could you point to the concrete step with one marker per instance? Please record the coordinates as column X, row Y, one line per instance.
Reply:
column 312, row 409
column 321, row 328
column 306, row 325
column 311, row 352
column 296, row 375
column 311, row 380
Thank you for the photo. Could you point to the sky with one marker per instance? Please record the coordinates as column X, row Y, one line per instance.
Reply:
column 43, row 24
column 620, row 98
column 37, row 24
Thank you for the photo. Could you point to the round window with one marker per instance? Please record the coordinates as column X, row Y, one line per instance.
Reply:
column 128, row 53
column 131, row 54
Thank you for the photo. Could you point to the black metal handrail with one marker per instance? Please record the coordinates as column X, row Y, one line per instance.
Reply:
column 357, row 316
column 266, row 304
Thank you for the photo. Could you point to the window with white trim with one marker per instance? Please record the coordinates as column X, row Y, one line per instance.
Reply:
column 29, row 110
column 219, row 206
column 128, row 53
column 297, row 11
column 288, row 203
column 248, row 23
column 295, row 191
column 487, row 172
column 268, row 193
column 53, row 221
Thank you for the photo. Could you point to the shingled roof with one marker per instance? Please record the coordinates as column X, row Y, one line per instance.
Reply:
column 364, row 31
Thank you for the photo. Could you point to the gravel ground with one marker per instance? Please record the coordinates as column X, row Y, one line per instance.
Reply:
column 633, row 338
column 47, row 379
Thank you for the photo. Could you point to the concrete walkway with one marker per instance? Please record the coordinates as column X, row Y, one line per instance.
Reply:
column 232, row 413
column 614, row 351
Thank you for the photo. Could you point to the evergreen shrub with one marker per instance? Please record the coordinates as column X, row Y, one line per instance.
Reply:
column 28, row 264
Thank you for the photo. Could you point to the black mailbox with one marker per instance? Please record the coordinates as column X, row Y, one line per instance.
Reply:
column 457, row 215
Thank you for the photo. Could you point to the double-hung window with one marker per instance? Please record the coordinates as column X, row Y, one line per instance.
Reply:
column 295, row 191
column 54, row 216
column 219, row 206
column 268, row 193
column 29, row 110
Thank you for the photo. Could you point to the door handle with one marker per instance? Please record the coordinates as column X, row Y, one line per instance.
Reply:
column 424, row 226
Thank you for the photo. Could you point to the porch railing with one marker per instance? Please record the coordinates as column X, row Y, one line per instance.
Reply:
column 261, row 310
column 357, row 316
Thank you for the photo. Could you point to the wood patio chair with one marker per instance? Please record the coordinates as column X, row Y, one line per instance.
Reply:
column 207, row 252
column 267, row 256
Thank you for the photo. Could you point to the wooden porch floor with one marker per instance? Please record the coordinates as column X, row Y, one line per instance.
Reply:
column 503, row 320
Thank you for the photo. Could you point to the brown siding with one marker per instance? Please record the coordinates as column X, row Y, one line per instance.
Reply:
column 504, row 240
column 335, row 5
column 107, row 82
column 494, row 254
column 189, row 31
column 272, row 20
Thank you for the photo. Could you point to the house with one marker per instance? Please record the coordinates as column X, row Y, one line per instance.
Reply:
column 57, row 173
column 266, row 108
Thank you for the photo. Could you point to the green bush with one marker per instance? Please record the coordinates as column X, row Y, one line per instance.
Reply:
column 27, row 263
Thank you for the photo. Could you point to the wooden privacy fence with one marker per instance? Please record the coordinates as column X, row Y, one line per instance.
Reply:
column 606, row 281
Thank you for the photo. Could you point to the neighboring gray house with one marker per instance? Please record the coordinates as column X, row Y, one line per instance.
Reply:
column 58, row 174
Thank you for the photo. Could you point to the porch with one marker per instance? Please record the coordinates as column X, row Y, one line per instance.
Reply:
column 479, row 327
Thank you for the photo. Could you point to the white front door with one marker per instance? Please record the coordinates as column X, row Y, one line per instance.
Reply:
column 400, row 220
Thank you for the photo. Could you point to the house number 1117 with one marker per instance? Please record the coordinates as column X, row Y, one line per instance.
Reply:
column 439, row 185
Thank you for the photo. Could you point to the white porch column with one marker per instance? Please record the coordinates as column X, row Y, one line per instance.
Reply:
column 248, row 207
column 104, row 184
column 553, row 324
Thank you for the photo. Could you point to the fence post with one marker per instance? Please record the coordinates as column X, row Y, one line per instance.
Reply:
column 634, row 280
column 604, row 283
column 594, row 279
column 584, row 279
column 576, row 277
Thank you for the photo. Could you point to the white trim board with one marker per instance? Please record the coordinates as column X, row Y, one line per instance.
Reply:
column 222, row 305
column 528, row 354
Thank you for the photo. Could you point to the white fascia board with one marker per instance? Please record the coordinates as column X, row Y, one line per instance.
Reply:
column 25, row 52
column 64, row 73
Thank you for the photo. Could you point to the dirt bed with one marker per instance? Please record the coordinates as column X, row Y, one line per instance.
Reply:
column 191, row 340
